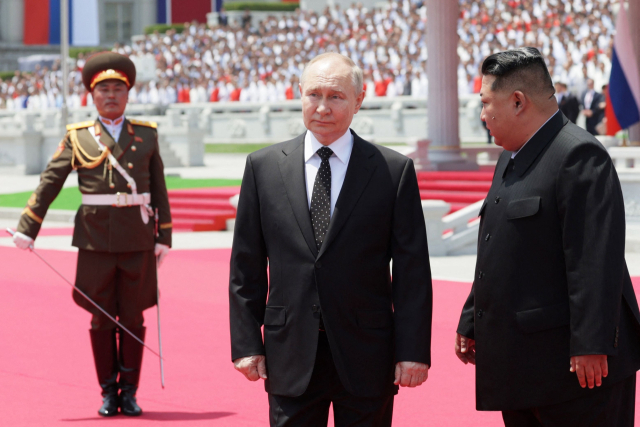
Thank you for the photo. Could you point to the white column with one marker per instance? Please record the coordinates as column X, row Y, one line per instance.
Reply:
column 148, row 13
column 12, row 21
column 442, row 72
column 633, row 16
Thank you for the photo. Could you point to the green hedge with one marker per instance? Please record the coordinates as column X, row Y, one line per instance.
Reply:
column 74, row 51
column 163, row 28
column 261, row 6
column 4, row 75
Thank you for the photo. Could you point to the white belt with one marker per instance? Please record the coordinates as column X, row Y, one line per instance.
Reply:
column 118, row 200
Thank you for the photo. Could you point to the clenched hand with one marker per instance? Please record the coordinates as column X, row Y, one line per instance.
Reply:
column 466, row 349
column 252, row 367
column 411, row 374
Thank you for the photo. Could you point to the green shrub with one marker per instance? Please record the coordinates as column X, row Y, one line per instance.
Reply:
column 6, row 75
column 261, row 6
column 74, row 51
column 163, row 28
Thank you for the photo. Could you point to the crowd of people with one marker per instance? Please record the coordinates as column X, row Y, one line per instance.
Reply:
column 262, row 61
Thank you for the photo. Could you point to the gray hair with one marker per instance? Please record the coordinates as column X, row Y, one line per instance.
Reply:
column 356, row 72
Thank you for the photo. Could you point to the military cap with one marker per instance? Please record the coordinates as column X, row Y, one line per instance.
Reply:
column 108, row 66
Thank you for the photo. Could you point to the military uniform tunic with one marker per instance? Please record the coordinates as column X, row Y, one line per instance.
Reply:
column 116, row 235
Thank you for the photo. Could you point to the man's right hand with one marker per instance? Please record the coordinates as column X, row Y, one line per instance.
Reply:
column 22, row 241
column 252, row 367
column 465, row 349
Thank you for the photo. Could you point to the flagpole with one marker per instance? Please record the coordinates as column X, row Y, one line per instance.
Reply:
column 64, row 54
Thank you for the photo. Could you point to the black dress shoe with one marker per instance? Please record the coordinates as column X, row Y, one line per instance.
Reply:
column 128, row 404
column 109, row 406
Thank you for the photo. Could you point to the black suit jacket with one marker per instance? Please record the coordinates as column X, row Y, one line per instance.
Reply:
column 569, row 106
column 551, row 278
column 279, row 280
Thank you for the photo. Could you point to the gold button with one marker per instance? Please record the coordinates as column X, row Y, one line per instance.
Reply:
column 112, row 186
column 133, row 148
column 130, row 165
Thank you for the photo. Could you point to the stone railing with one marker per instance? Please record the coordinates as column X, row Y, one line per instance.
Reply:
column 625, row 157
column 453, row 234
column 401, row 119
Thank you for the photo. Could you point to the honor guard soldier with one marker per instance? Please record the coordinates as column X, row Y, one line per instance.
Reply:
column 122, row 229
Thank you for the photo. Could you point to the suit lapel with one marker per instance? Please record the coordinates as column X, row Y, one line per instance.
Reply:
column 293, row 177
column 359, row 173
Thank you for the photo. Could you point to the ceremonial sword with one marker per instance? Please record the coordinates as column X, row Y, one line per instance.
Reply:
column 157, row 219
column 10, row 231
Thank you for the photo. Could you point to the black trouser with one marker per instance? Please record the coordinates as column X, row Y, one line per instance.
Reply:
column 123, row 284
column 311, row 409
column 612, row 406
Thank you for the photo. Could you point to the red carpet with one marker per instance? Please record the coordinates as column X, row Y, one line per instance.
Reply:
column 47, row 373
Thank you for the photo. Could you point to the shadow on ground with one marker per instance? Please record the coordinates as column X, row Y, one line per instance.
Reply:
column 164, row 416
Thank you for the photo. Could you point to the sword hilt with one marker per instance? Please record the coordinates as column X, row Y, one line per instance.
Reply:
column 13, row 233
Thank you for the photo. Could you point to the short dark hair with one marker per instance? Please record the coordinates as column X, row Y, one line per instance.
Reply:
column 521, row 69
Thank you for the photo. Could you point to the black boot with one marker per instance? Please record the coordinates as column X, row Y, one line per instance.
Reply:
column 105, row 356
column 130, row 364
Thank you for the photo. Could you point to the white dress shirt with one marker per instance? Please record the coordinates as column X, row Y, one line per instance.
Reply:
column 513, row 155
column 113, row 126
column 338, row 161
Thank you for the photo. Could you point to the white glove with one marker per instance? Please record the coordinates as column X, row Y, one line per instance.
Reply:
column 22, row 241
column 161, row 251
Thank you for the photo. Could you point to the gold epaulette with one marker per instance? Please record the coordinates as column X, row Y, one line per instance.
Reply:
column 143, row 123
column 81, row 125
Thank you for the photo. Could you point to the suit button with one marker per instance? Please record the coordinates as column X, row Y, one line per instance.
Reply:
column 497, row 200
column 480, row 275
column 318, row 264
column 130, row 165
column 479, row 313
column 315, row 308
column 134, row 148
column 486, row 239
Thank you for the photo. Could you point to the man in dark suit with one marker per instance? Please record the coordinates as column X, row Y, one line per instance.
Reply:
column 591, row 107
column 567, row 102
column 552, row 321
column 326, row 212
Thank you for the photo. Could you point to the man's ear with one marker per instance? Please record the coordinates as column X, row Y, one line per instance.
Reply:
column 359, row 100
column 520, row 102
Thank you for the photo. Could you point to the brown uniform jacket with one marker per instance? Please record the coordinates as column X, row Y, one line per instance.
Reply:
column 106, row 228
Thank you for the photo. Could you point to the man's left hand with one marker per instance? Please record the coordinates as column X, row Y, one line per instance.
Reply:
column 411, row 374
column 161, row 251
column 590, row 369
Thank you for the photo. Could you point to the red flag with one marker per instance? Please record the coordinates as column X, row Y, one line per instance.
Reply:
column 613, row 126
